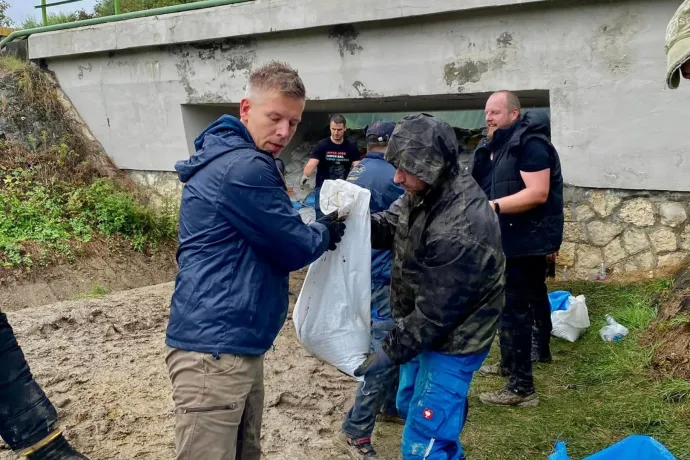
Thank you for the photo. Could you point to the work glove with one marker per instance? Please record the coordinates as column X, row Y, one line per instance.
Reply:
column 375, row 362
column 303, row 181
column 336, row 229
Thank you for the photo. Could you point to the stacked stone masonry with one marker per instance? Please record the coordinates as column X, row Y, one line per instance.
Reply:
column 629, row 231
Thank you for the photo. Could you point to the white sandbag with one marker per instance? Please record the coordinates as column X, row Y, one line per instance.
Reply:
column 332, row 315
column 571, row 323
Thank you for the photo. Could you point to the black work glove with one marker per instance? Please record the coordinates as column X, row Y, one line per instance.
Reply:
column 374, row 363
column 336, row 228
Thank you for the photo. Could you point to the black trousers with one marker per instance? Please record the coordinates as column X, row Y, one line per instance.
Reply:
column 526, row 304
column 26, row 414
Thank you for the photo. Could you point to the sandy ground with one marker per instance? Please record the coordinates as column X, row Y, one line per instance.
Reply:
column 101, row 362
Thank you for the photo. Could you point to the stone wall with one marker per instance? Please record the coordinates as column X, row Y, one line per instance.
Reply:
column 630, row 231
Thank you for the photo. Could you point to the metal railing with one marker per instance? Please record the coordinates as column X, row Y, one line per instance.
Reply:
column 44, row 8
column 120, row 17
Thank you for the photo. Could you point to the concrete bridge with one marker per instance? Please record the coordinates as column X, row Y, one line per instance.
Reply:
column 147, row 86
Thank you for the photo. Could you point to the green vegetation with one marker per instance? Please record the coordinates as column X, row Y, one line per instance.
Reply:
column 102, row 8
column 11, row 64
column 593, row 394
column 107, row 7
column 98, row 291
column 54, row 201
column 5, row 21
column 55, row 18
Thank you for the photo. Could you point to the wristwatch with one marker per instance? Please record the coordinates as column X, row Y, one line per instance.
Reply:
column 497, row 208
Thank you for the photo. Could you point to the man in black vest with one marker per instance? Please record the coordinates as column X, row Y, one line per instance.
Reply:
column 519, row 170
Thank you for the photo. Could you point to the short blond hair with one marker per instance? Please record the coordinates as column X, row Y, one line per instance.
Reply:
column 278, row 76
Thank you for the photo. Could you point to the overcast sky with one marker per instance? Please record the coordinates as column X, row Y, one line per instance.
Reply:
column 21, row 9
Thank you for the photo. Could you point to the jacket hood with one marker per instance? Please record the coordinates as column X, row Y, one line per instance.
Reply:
column 537, row 121
column 425, row 146
column 223, row 135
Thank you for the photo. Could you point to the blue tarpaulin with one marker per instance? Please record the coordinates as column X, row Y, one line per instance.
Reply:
column 308, row 202
column 634, row 447
column 559, row 300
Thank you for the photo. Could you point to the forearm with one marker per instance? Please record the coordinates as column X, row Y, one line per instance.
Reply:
column 310, row 167
column 522, row 201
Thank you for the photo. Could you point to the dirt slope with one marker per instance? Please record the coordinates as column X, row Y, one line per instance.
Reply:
column 102, row 363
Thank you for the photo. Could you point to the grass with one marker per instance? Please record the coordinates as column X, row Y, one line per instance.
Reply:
column 593, row 394
column 11, row 64
column 32, row 22
column 98, row 291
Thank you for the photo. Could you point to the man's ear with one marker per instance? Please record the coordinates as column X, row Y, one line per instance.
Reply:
column 245, row 107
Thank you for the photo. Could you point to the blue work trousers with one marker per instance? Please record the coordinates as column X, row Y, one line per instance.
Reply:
column 377, row 394
column 432, row 398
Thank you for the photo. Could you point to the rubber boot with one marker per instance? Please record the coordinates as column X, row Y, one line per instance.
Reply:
column 57, row 449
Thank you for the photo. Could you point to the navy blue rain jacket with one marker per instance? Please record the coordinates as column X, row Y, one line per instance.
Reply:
column 375, row 174
column 239, row 239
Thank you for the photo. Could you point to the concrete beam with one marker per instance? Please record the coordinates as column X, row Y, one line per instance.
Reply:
column 258, row 17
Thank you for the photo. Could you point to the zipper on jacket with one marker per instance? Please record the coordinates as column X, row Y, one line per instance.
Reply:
column 190, row 410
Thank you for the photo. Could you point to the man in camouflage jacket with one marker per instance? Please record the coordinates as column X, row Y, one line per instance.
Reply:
column 447, row 286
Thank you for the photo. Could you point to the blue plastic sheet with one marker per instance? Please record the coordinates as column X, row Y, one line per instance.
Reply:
column 559, row 300
column 635, row 447
column 308, row 202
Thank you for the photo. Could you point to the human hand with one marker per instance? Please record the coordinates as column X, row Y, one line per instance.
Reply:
column 374, row 363
column 336, row 228
column 303, row 181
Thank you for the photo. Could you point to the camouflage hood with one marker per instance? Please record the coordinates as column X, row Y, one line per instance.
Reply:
column 425, row 147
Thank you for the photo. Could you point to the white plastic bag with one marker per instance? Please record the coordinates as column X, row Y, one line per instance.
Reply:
column 571, row 323
column 332, row 315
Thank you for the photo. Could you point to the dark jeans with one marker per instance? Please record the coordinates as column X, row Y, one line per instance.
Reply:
column 526, row 304
column 26, row 414
column 377, row 393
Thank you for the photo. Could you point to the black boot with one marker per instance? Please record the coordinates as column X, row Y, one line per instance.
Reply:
column 57, row 449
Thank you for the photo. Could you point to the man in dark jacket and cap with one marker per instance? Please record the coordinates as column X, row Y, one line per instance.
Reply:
column 377, row 394
column 239, row 239
column 519, row 170
column 447, row 287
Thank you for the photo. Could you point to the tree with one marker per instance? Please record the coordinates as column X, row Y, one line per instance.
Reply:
column 5, row 20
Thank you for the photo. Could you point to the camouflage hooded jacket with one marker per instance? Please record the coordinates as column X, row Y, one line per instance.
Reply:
column 447, row 285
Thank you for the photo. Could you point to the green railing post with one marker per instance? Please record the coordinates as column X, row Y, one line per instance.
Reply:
column 117, row 6
column 44, row 12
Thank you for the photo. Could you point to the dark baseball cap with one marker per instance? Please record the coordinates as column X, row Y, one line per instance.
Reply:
column 380, row 131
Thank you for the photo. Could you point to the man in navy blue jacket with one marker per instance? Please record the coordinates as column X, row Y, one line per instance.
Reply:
column 239, row 238
column 378, row 393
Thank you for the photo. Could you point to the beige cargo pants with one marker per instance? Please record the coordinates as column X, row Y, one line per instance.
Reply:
column 218, row 405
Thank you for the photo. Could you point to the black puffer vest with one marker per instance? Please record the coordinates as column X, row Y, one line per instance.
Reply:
column 538, row 231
